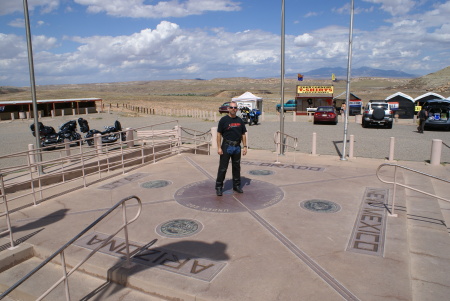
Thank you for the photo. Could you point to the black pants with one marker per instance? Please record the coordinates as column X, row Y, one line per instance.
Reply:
column 223, row 166
column 421, row 125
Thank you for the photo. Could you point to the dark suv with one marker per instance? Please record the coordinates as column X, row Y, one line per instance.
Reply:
column 379, row 113
column 438, row 113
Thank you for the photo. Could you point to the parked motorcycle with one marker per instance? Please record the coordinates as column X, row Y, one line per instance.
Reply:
column 113, row 131
column 250, row 115
column 48, row 135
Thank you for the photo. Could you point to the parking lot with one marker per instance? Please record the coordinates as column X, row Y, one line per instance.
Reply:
column 371, row 142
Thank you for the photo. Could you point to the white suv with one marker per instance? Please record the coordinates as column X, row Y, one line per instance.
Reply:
column 377, row 113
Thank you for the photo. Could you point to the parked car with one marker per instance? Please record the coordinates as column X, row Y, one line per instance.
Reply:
column 438, row 114
column 326, row 114
column 378, row 113
column 290, row 105
column 224, row 107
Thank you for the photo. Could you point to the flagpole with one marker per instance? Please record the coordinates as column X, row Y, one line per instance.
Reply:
column 33, row 86
column 349, row 66
column 282, row 81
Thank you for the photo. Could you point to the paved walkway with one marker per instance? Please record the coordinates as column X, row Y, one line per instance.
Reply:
column 314, row 229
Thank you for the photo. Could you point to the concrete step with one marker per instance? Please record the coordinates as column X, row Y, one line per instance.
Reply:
column 81, row 286
column 429, row 242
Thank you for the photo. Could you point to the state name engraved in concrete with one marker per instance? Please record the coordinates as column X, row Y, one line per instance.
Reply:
column 283, row 166
column 161, row 258
column 126, row 180
column 369, row 232
column 156, row 184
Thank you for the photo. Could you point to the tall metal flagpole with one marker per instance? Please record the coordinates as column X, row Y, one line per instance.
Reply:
column 349, row 66
column 282, row 81
column 32, row 82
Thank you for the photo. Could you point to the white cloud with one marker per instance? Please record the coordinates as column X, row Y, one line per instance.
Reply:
column 19, row 23
column 311, row 14
column 8, row 6
column 163, row 52
column 395, row 7
column 162, row 9
column 412, row 42
column 304, row 40
column 11, row 46
column 345, row 9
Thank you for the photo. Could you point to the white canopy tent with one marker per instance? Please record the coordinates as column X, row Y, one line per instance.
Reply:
column 249, row 100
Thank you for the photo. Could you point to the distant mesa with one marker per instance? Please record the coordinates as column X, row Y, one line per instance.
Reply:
column 341, row 73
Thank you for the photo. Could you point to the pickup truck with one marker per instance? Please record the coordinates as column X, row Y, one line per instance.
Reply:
column 290, row 105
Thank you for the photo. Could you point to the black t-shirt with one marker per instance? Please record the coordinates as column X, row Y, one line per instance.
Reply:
column 423, row 114
column 231, row 128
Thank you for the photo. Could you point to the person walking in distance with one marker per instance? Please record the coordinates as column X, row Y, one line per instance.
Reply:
column 422, row 115
column 232, row 129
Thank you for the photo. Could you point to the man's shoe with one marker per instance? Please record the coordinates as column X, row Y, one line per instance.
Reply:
column 238, row 189
column 219, row 191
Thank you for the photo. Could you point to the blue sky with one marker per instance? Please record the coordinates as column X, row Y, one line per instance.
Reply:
column 93, row 41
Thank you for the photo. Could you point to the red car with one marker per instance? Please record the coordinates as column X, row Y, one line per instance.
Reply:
column 224, row 107
column 326, row 114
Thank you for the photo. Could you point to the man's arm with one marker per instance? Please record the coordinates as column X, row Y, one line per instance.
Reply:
column 244, row 144
column 219, row 143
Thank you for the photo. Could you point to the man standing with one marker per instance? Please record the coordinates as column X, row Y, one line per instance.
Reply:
column 232, row 129
column 422, row 115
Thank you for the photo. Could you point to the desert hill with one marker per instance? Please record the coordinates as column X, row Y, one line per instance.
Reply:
column 438, row 82
column 210, row 94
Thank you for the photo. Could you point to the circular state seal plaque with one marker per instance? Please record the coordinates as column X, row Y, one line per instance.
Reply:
column 320, row 206
column 179, row 228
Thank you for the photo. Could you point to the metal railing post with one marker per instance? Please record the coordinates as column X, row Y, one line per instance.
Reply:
column 66, row 279
column 67, row 147
column 130, row 137
column 98, row 143
column 394, row 193
column 178, row 138
column 214, row 137
column 32, row 157
column 125, row 230
column 6, row 213
column 277, row 140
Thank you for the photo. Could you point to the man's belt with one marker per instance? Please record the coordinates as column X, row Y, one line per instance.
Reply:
column 232, row 143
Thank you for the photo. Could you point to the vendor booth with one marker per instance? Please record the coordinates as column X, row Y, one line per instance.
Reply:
column 249, row 100
column 354, row 103
column 308, row 98
column 24, row 108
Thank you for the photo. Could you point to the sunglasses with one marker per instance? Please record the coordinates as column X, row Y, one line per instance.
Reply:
column 232, row 107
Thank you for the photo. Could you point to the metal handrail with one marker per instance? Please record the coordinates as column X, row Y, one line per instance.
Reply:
column 396, row 166
column 100, row 155
column 285, row 144
column 60, row 251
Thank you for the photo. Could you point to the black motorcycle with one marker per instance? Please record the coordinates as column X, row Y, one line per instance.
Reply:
column 250, row 115
column 48, row 135
column 109, row 135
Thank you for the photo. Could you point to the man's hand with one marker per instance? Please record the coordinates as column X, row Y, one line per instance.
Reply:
column 220, row 151
column 244, row 152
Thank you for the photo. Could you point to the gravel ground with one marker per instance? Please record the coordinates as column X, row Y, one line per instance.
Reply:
column 369, row 142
